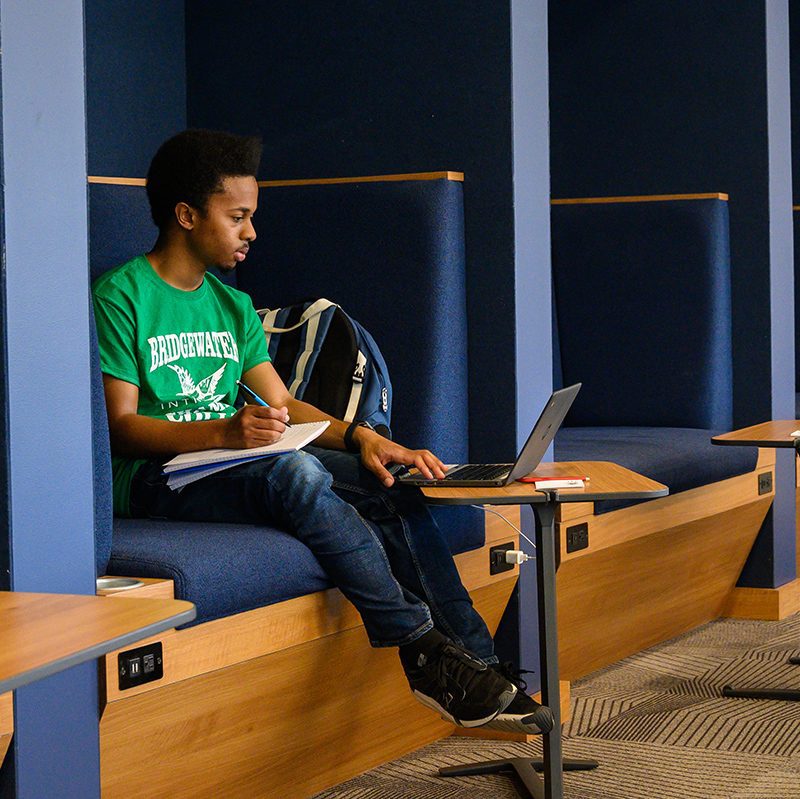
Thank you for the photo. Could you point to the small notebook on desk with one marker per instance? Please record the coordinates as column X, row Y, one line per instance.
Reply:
column 190, row 466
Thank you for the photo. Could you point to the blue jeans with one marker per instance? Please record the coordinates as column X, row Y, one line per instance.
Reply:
column 380, row 547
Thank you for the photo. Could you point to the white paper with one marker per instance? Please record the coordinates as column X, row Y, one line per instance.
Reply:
column 295, row 437
column 558, row 484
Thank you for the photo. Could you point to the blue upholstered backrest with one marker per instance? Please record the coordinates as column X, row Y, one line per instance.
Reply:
column 796, row 226
column 642, row 297
column 119, row 225
column 101, row 456
column 392, row 254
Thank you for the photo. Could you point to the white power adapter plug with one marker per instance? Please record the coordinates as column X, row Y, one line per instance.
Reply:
column 516, row 557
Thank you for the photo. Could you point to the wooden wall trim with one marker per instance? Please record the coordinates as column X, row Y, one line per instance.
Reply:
column 455, row 176
column 116, row 181
column 645, row 198
column 411, row 176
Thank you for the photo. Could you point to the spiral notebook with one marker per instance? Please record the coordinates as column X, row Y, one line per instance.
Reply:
column 191, row 466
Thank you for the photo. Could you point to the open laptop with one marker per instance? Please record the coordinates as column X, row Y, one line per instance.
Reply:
column 500, row 474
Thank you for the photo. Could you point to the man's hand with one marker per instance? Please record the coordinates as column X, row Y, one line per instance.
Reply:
column 377, row 451
column 255, row 426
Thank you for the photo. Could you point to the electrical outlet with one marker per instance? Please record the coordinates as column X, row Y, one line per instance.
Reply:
column 140, row 665
column 764, row 483
column 578, row 537
column 497, row 558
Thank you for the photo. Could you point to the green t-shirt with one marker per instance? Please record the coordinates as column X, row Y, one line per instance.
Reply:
column 185, row 350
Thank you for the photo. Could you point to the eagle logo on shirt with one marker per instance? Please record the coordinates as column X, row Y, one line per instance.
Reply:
column 202, row 391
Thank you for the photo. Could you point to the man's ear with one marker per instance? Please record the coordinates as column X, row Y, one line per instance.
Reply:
column 185, row 215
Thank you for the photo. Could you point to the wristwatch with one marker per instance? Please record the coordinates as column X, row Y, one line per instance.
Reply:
column 349, row 444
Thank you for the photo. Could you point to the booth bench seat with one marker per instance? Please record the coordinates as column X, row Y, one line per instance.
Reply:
column 274, row 690
column 231, row 568
column 642, row 312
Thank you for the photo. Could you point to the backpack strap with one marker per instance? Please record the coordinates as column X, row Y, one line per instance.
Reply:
column 315, row 309
column 311, row 318
column 316, row 328
column 358, row 386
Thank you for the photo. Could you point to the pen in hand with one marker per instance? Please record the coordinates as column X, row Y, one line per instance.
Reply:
column 255, row 397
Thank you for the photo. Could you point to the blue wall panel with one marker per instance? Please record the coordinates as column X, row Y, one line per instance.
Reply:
column 364, row 88
column 135, row 82
column 646, row 98
column 676, row 98
column 48, row 402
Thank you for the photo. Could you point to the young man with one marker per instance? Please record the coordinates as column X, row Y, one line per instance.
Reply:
column 163, row 400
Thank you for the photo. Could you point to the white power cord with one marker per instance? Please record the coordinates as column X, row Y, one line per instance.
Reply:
column 514, row 556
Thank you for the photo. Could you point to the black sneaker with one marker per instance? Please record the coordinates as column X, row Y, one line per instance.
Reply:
column 459, row 686
column 523, row 714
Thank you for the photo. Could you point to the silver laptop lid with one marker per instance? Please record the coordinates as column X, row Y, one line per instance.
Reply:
column 544, row 431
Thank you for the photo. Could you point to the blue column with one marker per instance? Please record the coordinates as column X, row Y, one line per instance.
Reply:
column 56, row 748
column 781, row 257
column 772, row 560
column 531, row 196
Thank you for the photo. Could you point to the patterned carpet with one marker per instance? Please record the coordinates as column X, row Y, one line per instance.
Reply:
column 656, row 722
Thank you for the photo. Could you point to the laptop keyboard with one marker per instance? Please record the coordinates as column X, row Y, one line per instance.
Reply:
column 481, row 471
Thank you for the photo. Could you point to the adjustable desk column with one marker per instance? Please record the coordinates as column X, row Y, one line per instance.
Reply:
column 606, row 480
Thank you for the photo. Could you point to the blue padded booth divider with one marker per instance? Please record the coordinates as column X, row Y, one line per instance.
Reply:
column 643, row 308
column 393, row 255
column 796, row 228
column 120, row 227
column 101, row 456
column 643, row 301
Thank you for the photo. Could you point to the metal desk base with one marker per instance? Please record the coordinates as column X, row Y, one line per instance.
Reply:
column 781, row 694
column 522, row 768
column 552, row 764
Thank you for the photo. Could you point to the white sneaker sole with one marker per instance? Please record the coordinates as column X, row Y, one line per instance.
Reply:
column 515, row 723
column 434, row 705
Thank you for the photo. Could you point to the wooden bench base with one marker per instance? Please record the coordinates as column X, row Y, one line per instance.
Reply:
column 767, row 604
column 280, row 702
column 655, row 570
column 6, row 723
column 283, row 725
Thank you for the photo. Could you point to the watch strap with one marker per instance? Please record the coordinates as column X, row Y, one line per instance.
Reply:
column 349, row 444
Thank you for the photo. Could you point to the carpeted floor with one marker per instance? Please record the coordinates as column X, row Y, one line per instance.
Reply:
column 656, row 722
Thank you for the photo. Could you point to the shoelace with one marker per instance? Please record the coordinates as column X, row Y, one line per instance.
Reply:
column 452, row 670
column 513, row 675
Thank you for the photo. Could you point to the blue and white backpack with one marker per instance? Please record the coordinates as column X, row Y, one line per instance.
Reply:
column 328, row 359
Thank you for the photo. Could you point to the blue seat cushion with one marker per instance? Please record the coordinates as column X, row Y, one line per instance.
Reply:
column 230, row 568
column 681, row 458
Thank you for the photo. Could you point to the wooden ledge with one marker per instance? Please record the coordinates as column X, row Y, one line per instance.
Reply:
column 645, row 198
column 764, row 604
column 412, row 176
